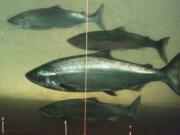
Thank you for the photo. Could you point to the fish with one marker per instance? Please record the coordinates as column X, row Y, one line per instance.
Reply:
column 55, row 17
column 104, row 74
column 118, row 38
column 74, row 109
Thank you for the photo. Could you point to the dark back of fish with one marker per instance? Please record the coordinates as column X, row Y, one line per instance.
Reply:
column 118, row 38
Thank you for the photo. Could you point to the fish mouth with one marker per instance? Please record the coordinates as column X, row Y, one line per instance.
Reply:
column 31, row 76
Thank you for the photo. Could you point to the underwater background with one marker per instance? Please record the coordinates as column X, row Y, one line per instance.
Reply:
column 22, row 50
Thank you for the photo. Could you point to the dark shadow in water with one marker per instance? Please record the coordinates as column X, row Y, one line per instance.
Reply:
column 23, row 118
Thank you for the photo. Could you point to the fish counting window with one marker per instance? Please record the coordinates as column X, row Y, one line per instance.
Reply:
column 48, row 34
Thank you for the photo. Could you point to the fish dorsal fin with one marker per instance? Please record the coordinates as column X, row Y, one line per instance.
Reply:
column 103, row 54
column 92, row 99
column 121, row 28
column 56, row 7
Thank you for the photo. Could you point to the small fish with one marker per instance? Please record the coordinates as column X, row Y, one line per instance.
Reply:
column 55, row 17
column 96, row 110
column 118, row 38
column 104, row 73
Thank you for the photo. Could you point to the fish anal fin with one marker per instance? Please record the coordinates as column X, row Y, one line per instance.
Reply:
column 112, row 93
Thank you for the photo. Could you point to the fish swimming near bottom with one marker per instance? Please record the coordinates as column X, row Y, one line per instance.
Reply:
column 104, row 73
column 118, row 38
column 54, row 17
column 96, row 110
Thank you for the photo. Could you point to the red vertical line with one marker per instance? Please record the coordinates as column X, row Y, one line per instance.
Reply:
column 85, row 76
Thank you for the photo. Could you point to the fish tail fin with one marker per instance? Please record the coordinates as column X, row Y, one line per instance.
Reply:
column 134, row 109
column 98, row 17
column 172, row 72
column 161, row 48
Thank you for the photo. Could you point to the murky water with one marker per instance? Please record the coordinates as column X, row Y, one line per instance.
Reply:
column 22, row 50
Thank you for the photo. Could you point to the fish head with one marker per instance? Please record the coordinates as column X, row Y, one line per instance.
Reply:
column 20, row 20
column 52, row 110
column 78, row 41
column 43, row 76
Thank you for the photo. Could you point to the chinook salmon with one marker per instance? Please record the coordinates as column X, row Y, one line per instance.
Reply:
column 96, row 110
column 103, row 74
column 118, row 38
column 55, row 17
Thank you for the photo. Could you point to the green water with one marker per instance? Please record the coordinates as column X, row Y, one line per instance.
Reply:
column 22, row 50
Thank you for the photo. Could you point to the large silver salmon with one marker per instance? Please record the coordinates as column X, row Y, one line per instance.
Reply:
column 103, row 74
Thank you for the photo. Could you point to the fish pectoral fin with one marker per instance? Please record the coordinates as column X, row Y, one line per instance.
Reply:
column 67, row 88
column 112, row 93
column 148, row 65
column 137, row 87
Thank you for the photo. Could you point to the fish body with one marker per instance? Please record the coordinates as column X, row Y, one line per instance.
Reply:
column 54, row 17
column 103, row 74
column 96, row 110
column 118, row 38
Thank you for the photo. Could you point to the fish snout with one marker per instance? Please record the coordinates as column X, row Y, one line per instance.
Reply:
column 31, row 76
column 35, row 77
column 11, row 20
column 17, row 20
column 71, row 41
column 77, row 42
